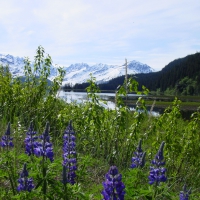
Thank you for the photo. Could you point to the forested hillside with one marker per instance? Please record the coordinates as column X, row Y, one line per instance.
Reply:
column 181, row 76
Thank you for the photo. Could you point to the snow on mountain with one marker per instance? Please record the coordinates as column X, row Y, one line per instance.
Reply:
column 79, row 72
column 16, row 65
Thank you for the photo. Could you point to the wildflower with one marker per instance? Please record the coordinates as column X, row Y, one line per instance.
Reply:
column 139, row 159
column 6, row 140
column 157, row 173
column 25, row 183
column 184, row 195
column 69, row 155
column 44, row 148
column 30, row 141
column 113, row 185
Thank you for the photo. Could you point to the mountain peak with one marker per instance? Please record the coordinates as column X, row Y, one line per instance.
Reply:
column 80, row 72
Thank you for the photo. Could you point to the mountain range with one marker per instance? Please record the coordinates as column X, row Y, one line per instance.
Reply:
column 79, row 72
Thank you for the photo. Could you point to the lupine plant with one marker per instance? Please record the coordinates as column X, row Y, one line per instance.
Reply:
column 184, row 195
column 157, row 173
column 69, row 159
column 139, row 159
column 113, row 185
column 44, row 148
column 6, row 140
column 6, row 143
column 30, row 141
column 25, row 183
column 69, row 155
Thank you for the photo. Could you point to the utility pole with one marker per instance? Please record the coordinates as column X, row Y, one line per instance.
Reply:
column 126, row 79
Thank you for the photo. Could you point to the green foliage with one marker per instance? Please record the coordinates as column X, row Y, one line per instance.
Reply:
column 170, row 91
column 187, row 86
column 33, row 99
column 104, row 137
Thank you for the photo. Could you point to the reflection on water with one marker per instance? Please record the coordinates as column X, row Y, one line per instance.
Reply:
column 81, row 97
column 69, row 97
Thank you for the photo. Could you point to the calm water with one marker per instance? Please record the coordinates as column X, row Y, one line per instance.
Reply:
column 81, row 97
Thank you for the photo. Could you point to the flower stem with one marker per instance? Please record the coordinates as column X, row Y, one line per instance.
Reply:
column 65, row 192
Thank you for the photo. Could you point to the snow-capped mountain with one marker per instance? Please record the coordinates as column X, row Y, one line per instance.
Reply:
column 80, row 72
column 16, row 65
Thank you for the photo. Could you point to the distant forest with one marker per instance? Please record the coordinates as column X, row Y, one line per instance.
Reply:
column 181, row 76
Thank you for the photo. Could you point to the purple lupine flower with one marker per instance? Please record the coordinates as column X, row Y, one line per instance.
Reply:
column 6, row 140
column 44, row 148
column 69, row 155
column 25, row 183
column 184, row 195
column 139, row 159
column 157, row 173
column 30, row 141
column 113, row 185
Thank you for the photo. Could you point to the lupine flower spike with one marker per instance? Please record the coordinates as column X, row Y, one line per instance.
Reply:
column 69, row 155
column 30, row 141
column 25, row 183
column 113, row 185
column 45, row 147
column 6, row 140
column 184, row 195
column 157, row 173
column 139, row 159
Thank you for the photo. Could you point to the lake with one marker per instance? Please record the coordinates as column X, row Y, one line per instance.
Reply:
column 81, row 97
column 186, row 111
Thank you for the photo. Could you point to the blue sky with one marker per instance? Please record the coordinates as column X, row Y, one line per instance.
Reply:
column 154, row 32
